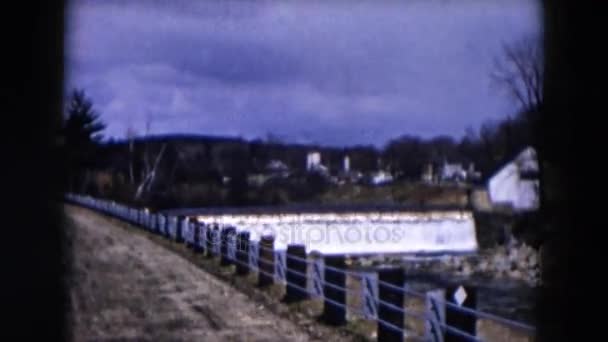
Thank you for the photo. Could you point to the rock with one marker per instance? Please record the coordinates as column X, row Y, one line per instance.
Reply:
column 533, row 260
column 501, row 265
column 513, row 254
column 533, row 275
column 498, row 259
column 523, row 265
column 526, row 251
column 473, row 261
column 483, row 266
column 445, row 258
column 516, row 274
column 365, row 262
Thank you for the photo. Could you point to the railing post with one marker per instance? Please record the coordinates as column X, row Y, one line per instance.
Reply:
column 334, row 289
column 226, row 234
column 152, row 220
column 179, row 236
column 166, row 232
column 160, row 220
column 464, row 296
column 393, row 331
column 199, row 236
column 242, row 253
column 211, row 237
column 295, row 273
column 157, row 223
column 188, row 232
column 266, row 261
column 173, row 223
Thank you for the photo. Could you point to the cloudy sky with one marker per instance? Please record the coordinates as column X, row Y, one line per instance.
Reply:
column 330, row 72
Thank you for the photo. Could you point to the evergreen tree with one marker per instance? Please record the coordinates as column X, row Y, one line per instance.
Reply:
column 81, row 135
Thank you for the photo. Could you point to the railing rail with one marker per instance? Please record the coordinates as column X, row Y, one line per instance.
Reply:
column 169, row 227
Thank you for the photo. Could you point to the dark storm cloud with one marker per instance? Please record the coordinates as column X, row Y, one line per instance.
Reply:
column 334, row 72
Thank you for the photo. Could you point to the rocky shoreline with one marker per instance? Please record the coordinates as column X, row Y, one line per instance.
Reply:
column 516, row 262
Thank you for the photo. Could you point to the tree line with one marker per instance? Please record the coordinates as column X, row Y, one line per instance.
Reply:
column 148, row 163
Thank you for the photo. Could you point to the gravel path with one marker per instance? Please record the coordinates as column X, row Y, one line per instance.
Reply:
column 125, row 287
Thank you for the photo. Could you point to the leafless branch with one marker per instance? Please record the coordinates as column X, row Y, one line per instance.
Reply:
column 149, row 178
column 149, row 172
column 130, row 137
column 520, row 71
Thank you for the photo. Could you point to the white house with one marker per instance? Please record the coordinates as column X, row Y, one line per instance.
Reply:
column 453, row 172
column 517, row 184
column 276, row 166
column 313, row 161
column 381, row 177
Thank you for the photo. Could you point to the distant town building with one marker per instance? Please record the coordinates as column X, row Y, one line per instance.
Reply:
column 427, row 173
column 472, row 174
column 381, row 177
column 517, row 184
column 313, row 161
column 276, row 166
column 346, row 164
column 257, row 179
column 453, row 172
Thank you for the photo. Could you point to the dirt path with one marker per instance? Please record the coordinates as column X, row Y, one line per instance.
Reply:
column 125, row 287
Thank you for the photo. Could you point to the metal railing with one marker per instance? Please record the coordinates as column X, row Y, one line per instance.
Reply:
column 186, row 231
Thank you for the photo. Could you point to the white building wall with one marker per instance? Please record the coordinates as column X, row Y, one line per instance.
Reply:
column 504, row 186
column 528, row 195
column 507, row 187
column 346, row 164
column 313, row 160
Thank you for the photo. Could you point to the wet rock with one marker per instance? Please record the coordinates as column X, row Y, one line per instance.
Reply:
column 473, row 261
column 501, row 264
column 364, row 262
column 523, row 265
column 516, row 274
column 376, row 262
column 526, row 251
column 483, row 266
column 533, row 260
column 513, row 254
column 500, row 250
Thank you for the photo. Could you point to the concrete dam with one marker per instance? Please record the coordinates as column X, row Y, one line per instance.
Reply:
column 351, row 231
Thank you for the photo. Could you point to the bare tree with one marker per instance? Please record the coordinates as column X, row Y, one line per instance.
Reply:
column 149, row 170
column 519, row 70
column 130, row 137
